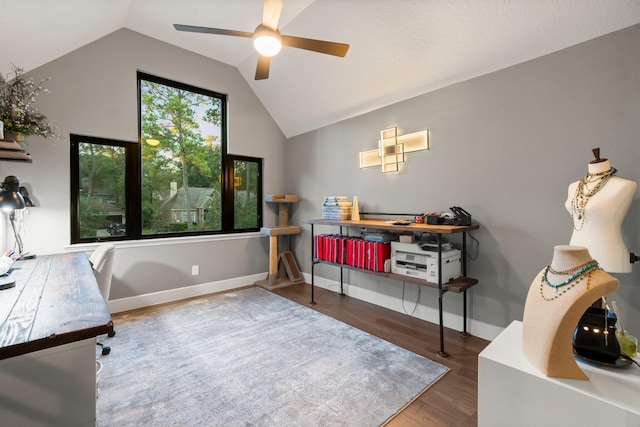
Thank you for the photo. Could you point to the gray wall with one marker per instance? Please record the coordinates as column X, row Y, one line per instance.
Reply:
column 93, row 92
column 504, row 146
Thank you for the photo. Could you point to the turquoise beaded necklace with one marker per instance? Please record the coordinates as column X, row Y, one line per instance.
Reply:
column 585, row 270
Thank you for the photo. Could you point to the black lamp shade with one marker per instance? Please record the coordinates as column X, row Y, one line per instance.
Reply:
column 28, row 201
column 10, row 197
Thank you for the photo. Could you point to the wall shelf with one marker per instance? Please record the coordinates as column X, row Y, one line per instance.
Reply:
column 11, row 151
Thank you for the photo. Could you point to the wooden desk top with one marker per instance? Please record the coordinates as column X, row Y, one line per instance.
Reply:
column 384, row 225
column 56, row 301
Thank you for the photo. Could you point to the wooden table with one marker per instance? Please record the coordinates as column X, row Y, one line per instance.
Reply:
column 458, row 285
column 48, row 327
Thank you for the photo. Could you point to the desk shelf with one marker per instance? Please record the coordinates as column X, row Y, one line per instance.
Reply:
column 459, row 285
column 377, row 224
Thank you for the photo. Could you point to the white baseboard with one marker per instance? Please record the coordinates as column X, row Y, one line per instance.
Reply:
column 450, row 320
column 140, row 301
column 453, row 321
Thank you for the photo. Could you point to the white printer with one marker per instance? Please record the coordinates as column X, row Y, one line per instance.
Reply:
column 412, row 259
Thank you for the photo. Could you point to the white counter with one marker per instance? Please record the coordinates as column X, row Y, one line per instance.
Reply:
column 511, row 391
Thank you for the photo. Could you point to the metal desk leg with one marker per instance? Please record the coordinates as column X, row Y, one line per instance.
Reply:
column 440, row 353
column 313, row 301
column 464, row 332
column 464, row 253
column 313, row 264
column 341, row 269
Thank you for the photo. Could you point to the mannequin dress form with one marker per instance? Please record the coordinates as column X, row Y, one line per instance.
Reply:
column 597, row 219
column 551, row 315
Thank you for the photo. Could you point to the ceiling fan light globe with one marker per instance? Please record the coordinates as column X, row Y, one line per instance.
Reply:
column 267, row 45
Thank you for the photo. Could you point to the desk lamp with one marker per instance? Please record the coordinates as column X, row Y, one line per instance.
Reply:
column 28, row 202
column 10, row 200
column 14, row 197
column 10, row 197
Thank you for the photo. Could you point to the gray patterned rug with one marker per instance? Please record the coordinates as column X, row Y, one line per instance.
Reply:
column 253, row 358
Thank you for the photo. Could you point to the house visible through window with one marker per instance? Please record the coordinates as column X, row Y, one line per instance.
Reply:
column 246, row 189
column 99, row 187
column 176, row 180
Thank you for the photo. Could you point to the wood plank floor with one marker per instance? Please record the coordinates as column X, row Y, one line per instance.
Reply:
column 451, row 401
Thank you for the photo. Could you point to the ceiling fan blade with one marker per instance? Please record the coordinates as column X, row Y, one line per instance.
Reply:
column 321, row 46
column 262, row 70
column 271, row 13
column 207, row 30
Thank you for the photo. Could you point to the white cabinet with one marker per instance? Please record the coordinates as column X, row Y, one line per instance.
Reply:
column 51, row 387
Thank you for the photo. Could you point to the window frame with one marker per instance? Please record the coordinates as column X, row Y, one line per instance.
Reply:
column 228, row 215
column 131, row 191
column 133, row 177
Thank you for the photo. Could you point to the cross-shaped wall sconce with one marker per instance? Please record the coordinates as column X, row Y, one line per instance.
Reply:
column 392, row 149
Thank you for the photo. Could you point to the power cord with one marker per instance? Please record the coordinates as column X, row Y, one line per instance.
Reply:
column 337, row 287
column 404, row 285
column 629, row 357
column 473, row 258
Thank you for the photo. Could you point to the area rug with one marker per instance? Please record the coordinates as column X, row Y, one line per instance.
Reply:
column 253, row 358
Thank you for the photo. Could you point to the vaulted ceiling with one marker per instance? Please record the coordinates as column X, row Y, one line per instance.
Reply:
column 398, row 48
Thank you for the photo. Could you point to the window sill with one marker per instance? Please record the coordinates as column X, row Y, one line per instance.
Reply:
column 164, row 241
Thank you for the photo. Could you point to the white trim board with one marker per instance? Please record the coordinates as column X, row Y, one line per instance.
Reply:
column 453, row 321
column 171, row 295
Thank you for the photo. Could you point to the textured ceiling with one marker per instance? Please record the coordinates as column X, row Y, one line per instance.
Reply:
column 399, row 48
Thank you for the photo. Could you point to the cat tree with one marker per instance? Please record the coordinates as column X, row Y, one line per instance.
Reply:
column 283, row 269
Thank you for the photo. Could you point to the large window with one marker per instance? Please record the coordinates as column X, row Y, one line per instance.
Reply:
column 176, row 180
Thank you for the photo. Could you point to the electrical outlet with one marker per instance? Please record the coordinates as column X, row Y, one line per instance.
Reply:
column 195, row 270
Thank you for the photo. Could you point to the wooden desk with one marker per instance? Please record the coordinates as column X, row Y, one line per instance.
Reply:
column 48, row 327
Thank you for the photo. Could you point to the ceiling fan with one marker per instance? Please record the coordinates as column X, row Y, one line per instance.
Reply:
column 268, row 40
